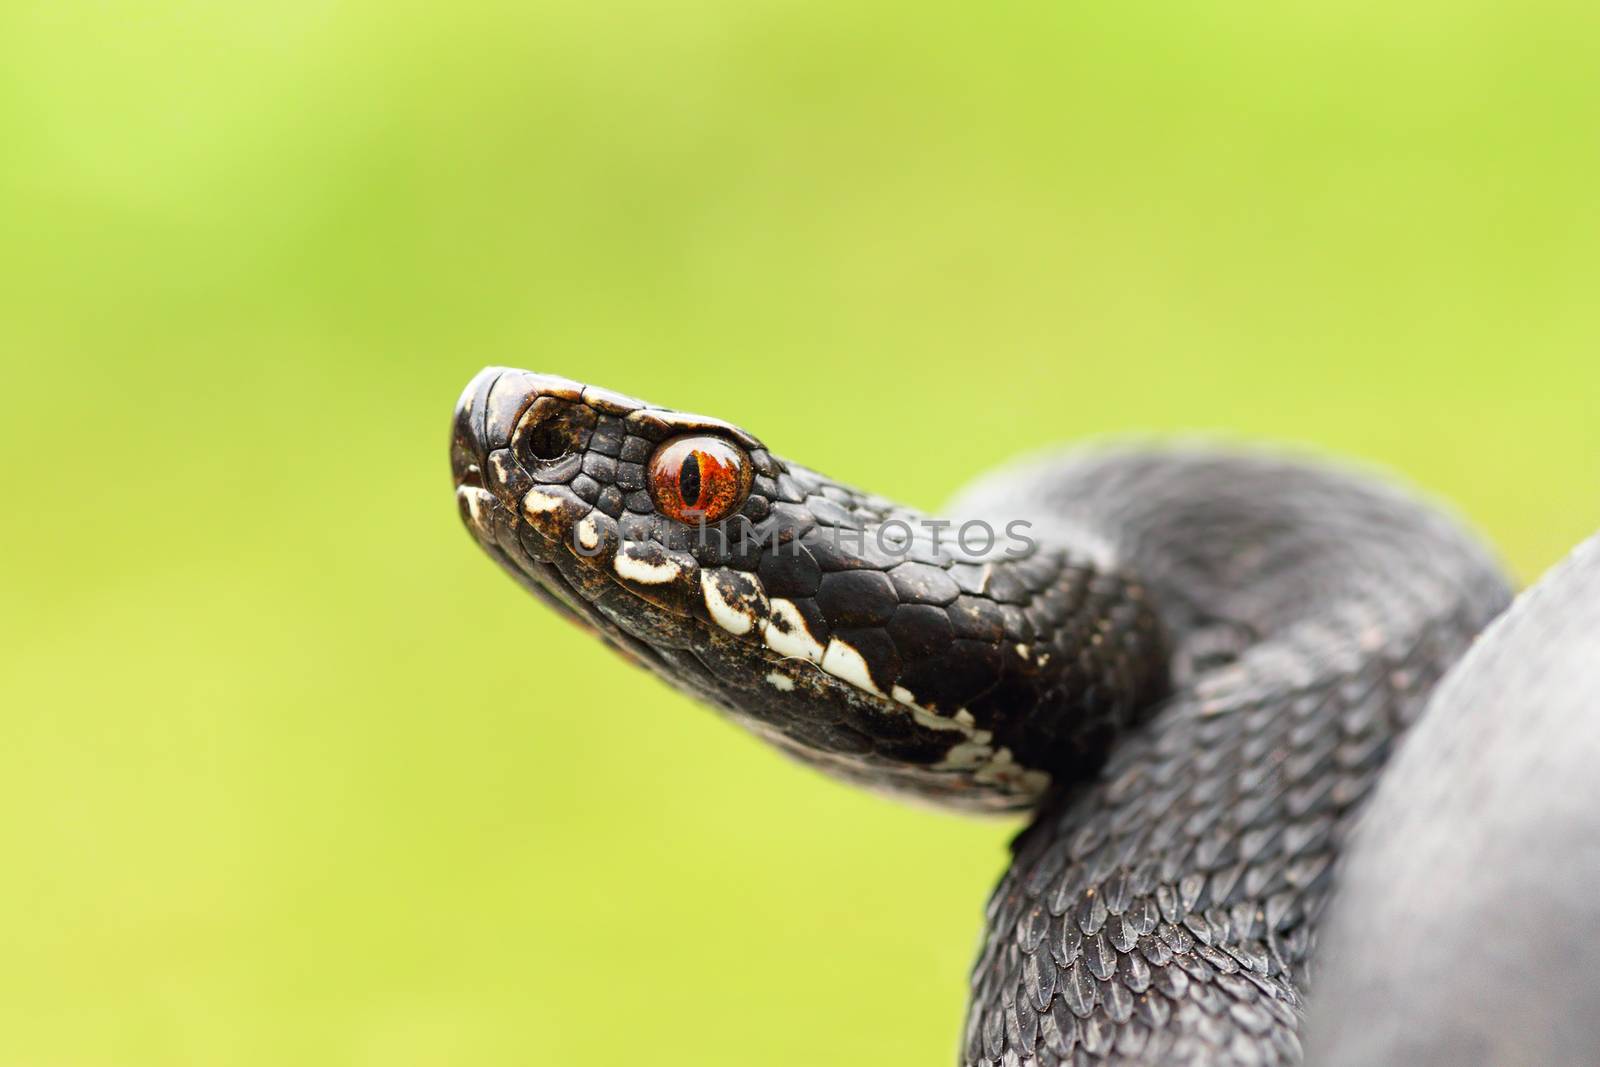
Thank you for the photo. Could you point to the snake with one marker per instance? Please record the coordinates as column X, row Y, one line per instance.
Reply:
column 1189, row 661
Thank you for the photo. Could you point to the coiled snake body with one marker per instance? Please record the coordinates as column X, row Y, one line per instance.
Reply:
column 1192, row 662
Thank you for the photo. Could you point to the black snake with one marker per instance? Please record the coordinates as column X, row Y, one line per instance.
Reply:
column 1192, row 661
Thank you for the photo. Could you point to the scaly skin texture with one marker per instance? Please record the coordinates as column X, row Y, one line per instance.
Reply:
column 1195, row 672
column 1164, row 912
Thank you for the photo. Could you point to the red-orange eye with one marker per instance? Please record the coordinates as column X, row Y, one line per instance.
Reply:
column 699, row 479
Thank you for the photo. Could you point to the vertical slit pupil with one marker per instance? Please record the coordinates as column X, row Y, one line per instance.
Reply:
column 689, row 480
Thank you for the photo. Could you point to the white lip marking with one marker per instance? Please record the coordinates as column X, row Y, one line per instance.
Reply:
column 644, row 571
column 731, row 607
column 539, row 502
column 975, row 754
column 588, row 533
column 475, row 500
column 962, row 721
column 500, row 467
column 786, row 633
column 845, row 663
column 1003, row 769
column 739, row 611
column 965, row 756
column 934, row 721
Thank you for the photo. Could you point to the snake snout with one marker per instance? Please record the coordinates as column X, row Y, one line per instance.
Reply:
column 469, row 447
column 511, row 428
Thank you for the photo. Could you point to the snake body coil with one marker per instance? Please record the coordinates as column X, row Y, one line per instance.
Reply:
column 1193, row 664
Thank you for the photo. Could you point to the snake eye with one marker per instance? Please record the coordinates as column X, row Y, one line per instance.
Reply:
column 699, row 479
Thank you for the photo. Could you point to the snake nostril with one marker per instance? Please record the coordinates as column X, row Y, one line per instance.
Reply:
column 550, row 437
column 548, row 441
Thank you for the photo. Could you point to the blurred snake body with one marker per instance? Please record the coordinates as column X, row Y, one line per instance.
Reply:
column 1191, row 663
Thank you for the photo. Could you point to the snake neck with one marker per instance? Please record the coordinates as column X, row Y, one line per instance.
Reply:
column 1051, row 654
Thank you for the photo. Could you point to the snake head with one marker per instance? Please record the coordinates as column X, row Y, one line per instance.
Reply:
column 773, row 593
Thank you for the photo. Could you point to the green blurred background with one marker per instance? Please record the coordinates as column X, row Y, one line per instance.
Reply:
column 262, row 800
